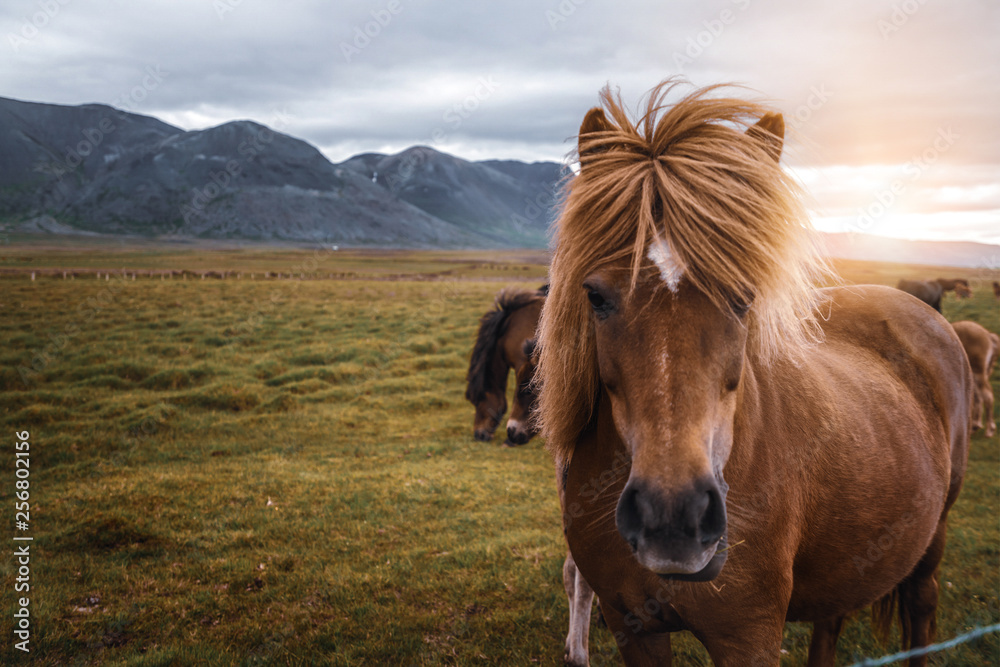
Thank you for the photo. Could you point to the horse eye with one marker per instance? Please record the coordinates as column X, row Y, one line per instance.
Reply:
column 596, row 300
column 740, row 305
column 601, row 305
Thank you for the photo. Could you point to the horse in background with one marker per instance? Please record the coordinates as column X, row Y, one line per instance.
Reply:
column 724, row 452
column 514, row 313
column 521, row 427
column 931, row 291
column 499, row 347
column 982, row 347
column 996, row 290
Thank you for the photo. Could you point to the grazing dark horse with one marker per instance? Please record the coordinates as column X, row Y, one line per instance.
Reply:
column 500, row 347
column 931, row 291
column 727, row 455
column 521, row 425
column 982, row 347
column 498, row 330
column 958, row 285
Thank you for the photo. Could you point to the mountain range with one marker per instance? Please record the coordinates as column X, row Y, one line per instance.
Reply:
column 94, row 169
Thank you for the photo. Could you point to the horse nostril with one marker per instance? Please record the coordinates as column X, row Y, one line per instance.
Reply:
column 628, row 516
column 713, row 519
column 517, row 434
column 698, row 515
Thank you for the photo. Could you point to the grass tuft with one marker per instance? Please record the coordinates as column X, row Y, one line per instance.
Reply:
column 272, row 472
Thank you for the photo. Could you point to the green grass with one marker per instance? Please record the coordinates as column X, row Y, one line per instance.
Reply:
column 247, row 472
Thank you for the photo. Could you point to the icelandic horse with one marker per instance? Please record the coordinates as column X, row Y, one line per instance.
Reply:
column 932, row 291
column 506, row 340
column 982, row 347
column 503, row 332
column 735, row 447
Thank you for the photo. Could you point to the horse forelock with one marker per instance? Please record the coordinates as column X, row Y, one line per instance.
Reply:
column 689, row 175
column 491, row 328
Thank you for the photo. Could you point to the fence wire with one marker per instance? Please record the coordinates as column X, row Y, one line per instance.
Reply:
column 933, row 648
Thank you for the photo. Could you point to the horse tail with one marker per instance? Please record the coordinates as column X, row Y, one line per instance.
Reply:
column 894, row 605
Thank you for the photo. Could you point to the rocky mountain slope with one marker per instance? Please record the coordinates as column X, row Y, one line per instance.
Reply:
column 96, row 169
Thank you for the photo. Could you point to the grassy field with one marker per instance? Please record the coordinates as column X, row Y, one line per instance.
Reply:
column 256, row 472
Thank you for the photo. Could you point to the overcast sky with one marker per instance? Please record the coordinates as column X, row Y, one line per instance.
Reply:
column 894, row 104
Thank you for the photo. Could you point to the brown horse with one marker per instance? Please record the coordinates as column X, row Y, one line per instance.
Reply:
column 514, row 313
column 959, row 285
column 727, row 456
column 931, row 291
column 996, row 290
column 521, row 426
column 948, row 284
column 499, row 347
column 982, row 348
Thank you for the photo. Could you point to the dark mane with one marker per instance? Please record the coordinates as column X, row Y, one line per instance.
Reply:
column 491, row 328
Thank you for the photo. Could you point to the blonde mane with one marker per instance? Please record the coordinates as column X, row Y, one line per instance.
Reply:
column 698, row 176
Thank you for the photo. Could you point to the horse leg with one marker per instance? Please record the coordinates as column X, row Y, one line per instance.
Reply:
column 823, row 647
column 637, row 648
column 918, row 598
column 581, row 596
column 758, row 644
column 986, row 394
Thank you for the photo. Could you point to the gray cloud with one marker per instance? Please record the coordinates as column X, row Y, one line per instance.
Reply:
column 860, row 82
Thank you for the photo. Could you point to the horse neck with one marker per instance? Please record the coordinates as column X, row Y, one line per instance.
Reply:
column 761, row 425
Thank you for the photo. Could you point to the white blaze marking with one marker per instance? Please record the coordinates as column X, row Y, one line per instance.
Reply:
column 671, row 270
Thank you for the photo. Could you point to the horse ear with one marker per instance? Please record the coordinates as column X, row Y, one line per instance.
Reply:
column 595, row 121
column 770, row 131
